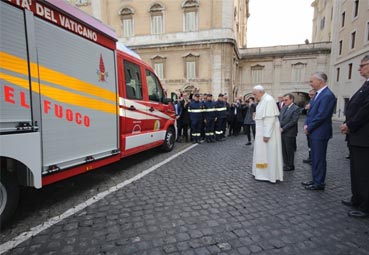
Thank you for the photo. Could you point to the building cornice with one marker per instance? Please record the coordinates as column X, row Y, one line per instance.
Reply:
column 187, row 38
column 285, row 50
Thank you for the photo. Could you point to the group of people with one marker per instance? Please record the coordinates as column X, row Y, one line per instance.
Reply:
column 276, row 130
column 275, row 125
column 208, row 119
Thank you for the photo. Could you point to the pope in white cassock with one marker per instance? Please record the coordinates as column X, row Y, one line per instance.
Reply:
column 267, row 160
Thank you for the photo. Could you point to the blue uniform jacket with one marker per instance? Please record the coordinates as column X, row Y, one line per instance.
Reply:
column 209, row 110
column 195, row 110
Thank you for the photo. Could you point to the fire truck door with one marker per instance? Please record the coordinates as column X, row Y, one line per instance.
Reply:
column 15, row 71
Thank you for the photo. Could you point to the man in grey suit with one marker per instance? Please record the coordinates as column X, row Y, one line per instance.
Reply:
column 288, row 119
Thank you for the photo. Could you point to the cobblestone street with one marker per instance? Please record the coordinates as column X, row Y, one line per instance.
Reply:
column 206, row 201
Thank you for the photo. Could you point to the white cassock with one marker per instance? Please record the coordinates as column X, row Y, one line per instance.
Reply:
column 267, row 160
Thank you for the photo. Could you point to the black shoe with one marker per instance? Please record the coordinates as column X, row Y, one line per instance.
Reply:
column 314, row 187
column 348, row 203
column 358, row 214
column 249, row 143
column 307, row 183
column 307, row 161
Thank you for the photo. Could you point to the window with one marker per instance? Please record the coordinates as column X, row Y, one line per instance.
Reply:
column 127, row 28
column 298, row 72
column 343, row 19
column 338, row 74
column 159, row 70
column 257, row 74
column 353, row 35
column 153, row 85
column 132, row 77
column 158, row 62
column 126, row 16
column 322, row 23
column 190, row 17
column 190, row 70
column 356, row 8
column 157, row 24
column 190, row 21
column 340, row 47
column 349, row 71
column 191, row 65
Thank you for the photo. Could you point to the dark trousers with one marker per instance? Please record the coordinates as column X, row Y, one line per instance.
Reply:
column 182, row 130
column 360, row 177
column 196, row 130
column 248, row 128
column 209, row 129
column 219, row 127
column 319, row 160
column 288, row 150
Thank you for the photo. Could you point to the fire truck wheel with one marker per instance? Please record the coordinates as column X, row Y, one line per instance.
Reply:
column 9, row 196
column 169, row 140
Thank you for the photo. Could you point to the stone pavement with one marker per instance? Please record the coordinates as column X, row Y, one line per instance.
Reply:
column 206, row 202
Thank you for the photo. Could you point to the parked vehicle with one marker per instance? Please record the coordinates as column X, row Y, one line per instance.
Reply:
column 71, row 98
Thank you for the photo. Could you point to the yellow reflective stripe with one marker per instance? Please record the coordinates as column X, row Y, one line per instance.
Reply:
column 14, row 64
column 75, row 99
column 75, row 84
column 221, row 109
column 195, row 110
column 19, row 65
column 210, row 110
column 62, row 95
column 15, row 80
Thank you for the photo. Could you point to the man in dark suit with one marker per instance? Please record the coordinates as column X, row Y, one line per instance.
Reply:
column 357, row 129
column 318, row 125
column 288, row 119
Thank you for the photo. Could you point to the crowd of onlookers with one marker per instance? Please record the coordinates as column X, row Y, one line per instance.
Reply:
column 201, row 118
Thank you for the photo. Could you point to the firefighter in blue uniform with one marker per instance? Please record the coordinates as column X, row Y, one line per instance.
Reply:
column 221, row 118
column 195, row 110
column 209, row 116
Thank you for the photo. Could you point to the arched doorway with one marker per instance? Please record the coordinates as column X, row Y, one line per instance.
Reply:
column 189, row 88
column 247, row 96
column 301, row 99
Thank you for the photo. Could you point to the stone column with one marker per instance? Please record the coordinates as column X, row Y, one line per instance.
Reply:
column 276, row 83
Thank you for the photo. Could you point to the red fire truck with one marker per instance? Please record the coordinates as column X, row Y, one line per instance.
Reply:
column 71, row 98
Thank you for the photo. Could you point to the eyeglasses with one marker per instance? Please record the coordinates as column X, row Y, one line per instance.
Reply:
column 362, row 65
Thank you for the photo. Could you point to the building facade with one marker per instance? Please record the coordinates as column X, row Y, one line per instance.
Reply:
column 189, row 43
column 350, row 43
column 322, row 20
column 349, row 33
column 283, row 69
column 203, row 44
